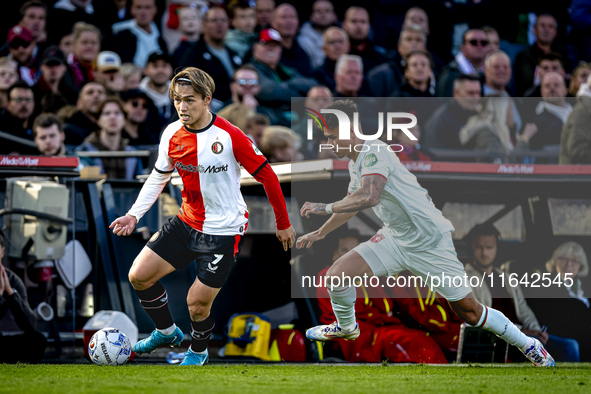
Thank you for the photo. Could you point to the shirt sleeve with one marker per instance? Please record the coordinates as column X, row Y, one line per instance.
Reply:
column 246, row 152
column 376, row 162
column 353, row 182
column 164, row 164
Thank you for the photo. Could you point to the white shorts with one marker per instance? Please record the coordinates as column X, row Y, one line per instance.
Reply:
column 386, row 258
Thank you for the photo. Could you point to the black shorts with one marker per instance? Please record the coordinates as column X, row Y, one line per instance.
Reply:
column 179, row 244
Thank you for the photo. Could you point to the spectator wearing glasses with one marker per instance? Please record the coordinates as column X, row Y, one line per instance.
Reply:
column 8, row 77
column 142, row 120
column 212, row 56
column 22, row 48
column 16, row 118
column 470, row 61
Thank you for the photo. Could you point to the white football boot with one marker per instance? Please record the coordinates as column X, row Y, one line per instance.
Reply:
column 538, row 355
column 331, row 331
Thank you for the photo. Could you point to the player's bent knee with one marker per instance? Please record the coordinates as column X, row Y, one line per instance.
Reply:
column 137, row 282
column 198, row 310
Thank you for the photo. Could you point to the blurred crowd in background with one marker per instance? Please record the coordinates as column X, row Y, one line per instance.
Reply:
column 503, row 80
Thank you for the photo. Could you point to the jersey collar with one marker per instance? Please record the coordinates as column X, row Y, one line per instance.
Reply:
column 213, row 116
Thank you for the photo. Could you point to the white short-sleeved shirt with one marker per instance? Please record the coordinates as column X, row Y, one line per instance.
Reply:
column 405, row 207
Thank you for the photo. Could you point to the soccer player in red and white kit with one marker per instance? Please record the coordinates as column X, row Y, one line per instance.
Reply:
column 207, row 152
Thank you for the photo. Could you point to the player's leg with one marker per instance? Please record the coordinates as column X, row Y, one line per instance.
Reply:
column 362, row 260
column 199, row 300
column 478, row 315
column 144, row 276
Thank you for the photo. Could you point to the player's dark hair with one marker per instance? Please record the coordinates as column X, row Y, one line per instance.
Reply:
column 347, row 106
column 484, row 229
column 201, row 82
column 32, row 3
column 46, row 120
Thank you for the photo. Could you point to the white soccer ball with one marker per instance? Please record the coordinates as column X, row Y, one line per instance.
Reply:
column 109, row 346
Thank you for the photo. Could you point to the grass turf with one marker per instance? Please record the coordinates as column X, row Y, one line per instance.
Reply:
column 247, row 378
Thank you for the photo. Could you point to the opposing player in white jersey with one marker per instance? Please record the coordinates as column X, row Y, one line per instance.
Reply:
column 415, row 237
column 207, row 152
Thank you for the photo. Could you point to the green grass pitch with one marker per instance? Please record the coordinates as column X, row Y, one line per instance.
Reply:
column 248, row 378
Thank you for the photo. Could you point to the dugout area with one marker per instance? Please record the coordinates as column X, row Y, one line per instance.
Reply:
column 536, row 207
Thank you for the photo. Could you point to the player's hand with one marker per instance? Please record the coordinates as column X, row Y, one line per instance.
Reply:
column 5, row 286
column 286, row 237
column 309, row 239
column 313, row 208
column 123, row 225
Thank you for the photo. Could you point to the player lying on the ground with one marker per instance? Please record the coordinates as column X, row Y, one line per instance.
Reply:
column 205, row 149
column 415, row 236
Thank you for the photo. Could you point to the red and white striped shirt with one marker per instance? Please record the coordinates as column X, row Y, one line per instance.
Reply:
column 208, row 161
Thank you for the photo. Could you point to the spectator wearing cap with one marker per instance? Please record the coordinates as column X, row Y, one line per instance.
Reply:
column 33, row 17
column 470, row 61
column 16, row 118
column 241, row 37
column 140, row 127
column 48, row 132
column 23, row 51
column 155, row 84
column 55, row 89
column 312, row 32
column 357, row 26
column 190, row 26
column 66, row 13
column 545, row 30
column 279, row 83
column 134, row 40
column 285, row 21
column 8, row 77
column 109, row 138
column 107, row 72
column 388, row 77
column 86, row 46
column 83, row 121
column 212, row 56
column 335, row 43
column 264, row 12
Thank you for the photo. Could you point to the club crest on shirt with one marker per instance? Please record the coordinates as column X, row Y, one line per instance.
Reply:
column 370, row 160
column 217, row 147
column 155, row 236
column 376, row 238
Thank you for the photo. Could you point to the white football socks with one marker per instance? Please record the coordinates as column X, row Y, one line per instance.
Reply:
column 168, row 331
column 497, row 323
column 343, row 305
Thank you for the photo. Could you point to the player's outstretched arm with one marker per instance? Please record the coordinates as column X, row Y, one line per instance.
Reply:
column 335, row 221
column 148, row 195
column 367, row 196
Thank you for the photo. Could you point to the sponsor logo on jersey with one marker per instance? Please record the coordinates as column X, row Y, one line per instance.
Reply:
column 201, row 169
column 155, row 236
column 370, row 160
column 257, row 150
column 217, row 147
column 180, row 147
